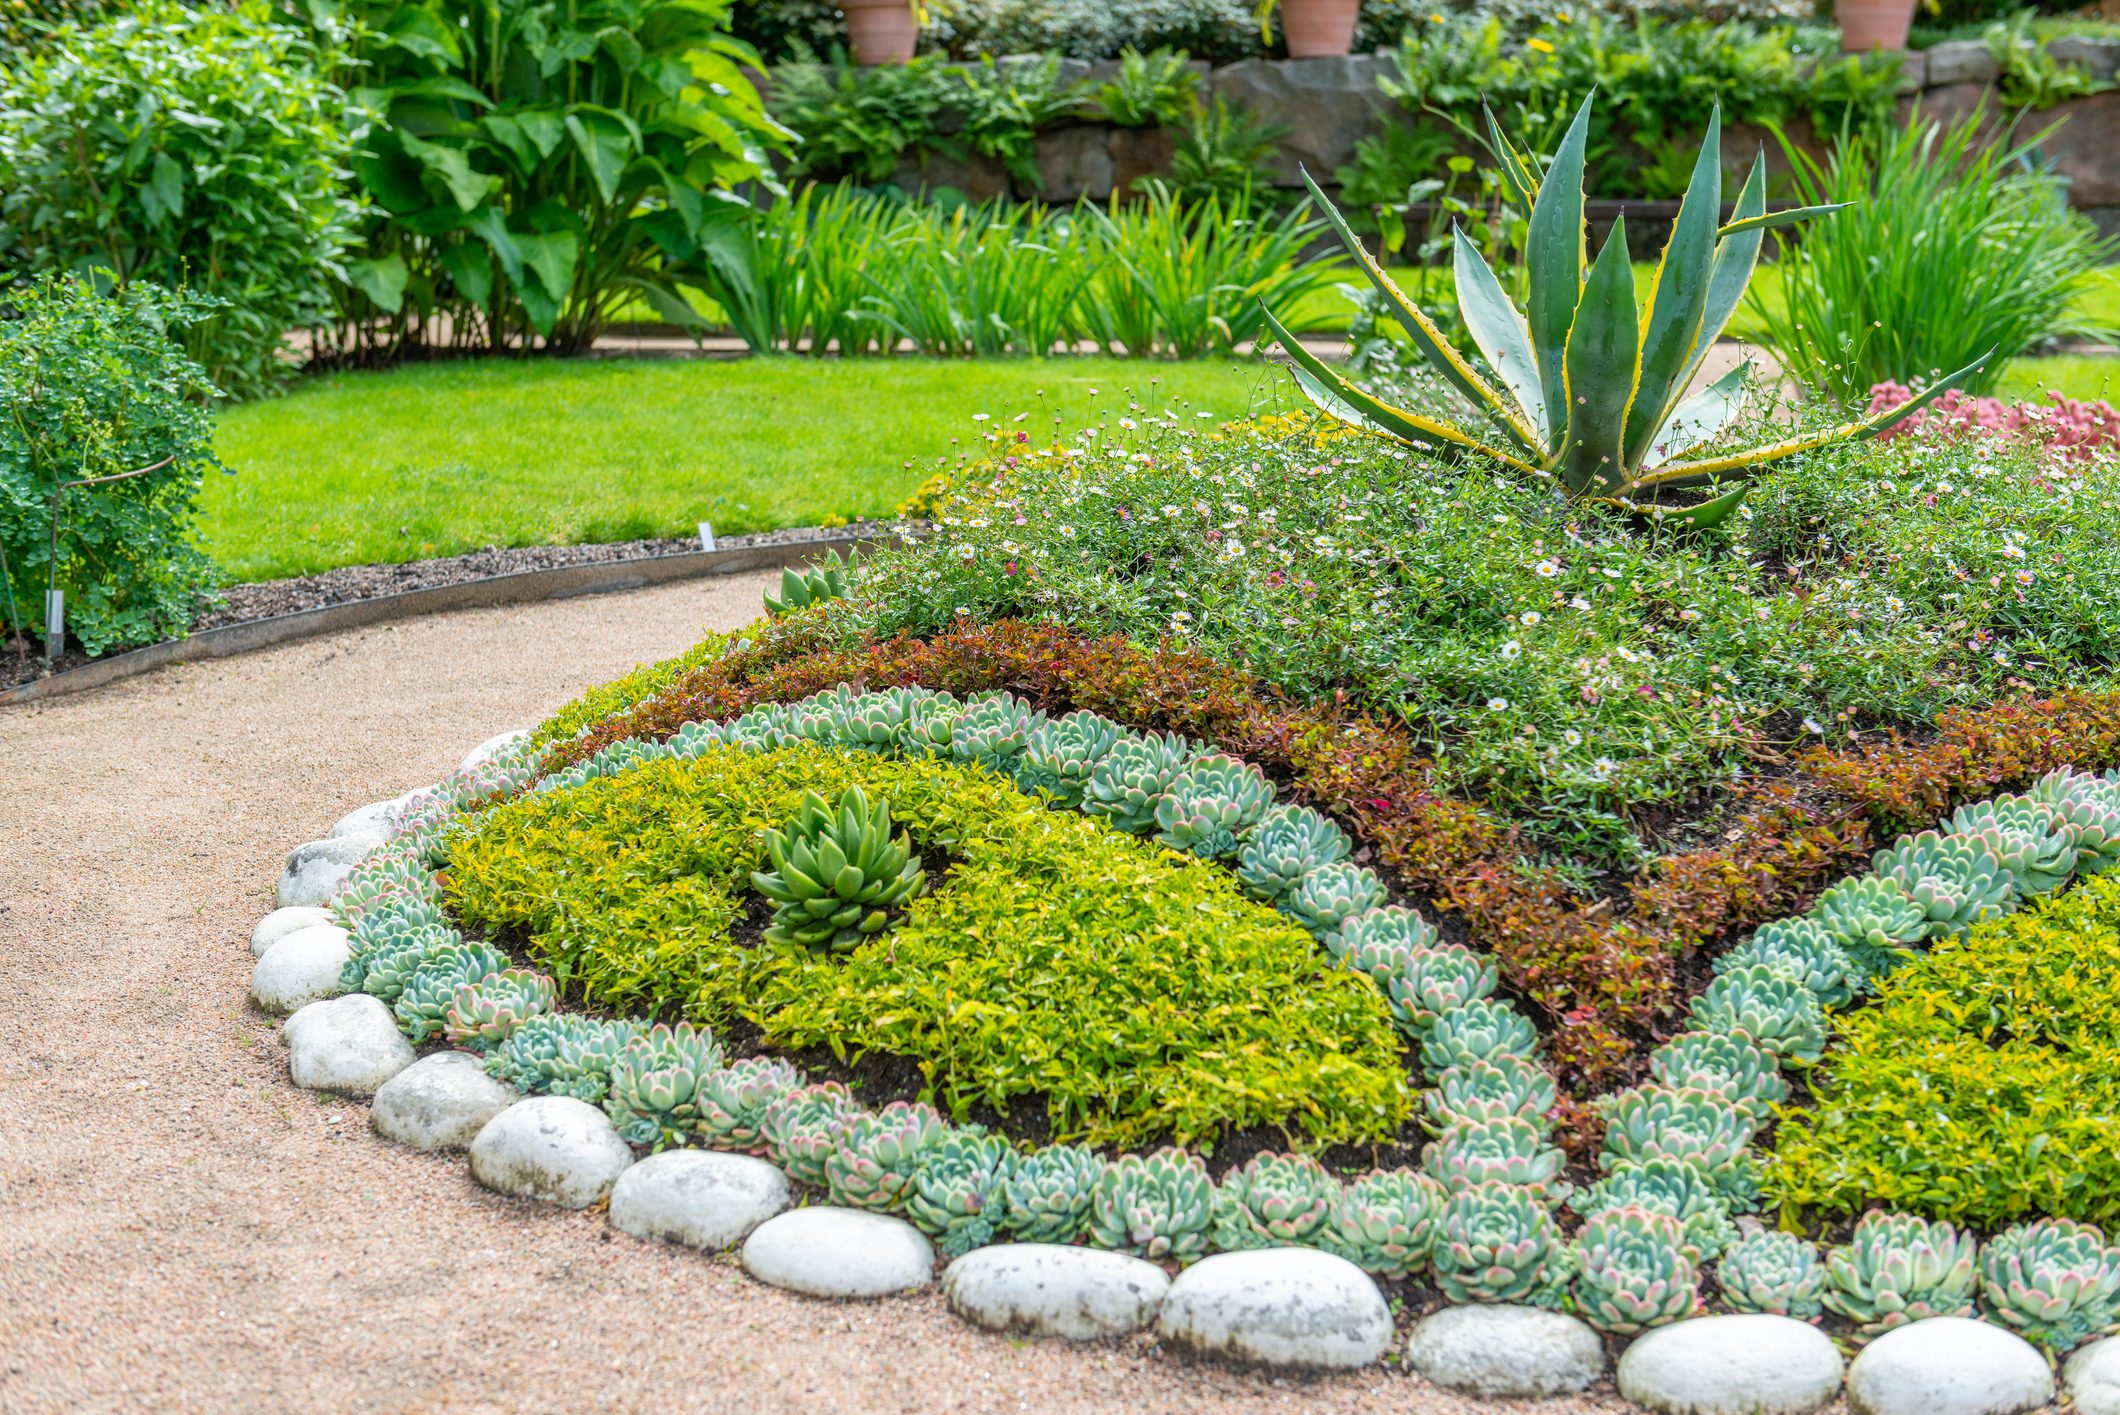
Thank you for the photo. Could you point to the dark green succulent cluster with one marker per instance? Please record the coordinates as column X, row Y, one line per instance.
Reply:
column 837, row 873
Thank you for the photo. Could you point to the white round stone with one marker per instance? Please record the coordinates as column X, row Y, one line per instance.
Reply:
column 2092, row 1377
column 1948, row 1366
column 350, row 1045
column 1278, row 1307
column 832, row 1252
column 1045, row 1289
column 316, row 872
column 440, row 1102
column 1734, row 1365
column 301, row 968
column 553, row 1148
column 492, row 747
column 697, row 1198
column 374, row 819
column 1501, row 1350
column 282, row 922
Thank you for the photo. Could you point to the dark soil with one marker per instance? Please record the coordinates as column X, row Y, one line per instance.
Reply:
column 22, row 660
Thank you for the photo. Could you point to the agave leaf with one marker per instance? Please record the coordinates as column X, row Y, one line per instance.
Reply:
column 1700, row 417
column 1338, row 398
column 1520, row 181
column 1780, row 218
column 1678, row 296
column 1604, row 352
column 1734, row 260
column 1687, row 473
column 1424, row 334
column 1500, row 333
column 1706, row 516
column 1554, row 251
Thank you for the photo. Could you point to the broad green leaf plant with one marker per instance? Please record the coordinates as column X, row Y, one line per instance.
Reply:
column 1588, row 387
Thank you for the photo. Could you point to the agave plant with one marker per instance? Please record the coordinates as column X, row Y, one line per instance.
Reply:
column 1772, row 1272
column 1588, row 389
column 1047, row 1196
column 562, row 1055
column 993, row 731
column 1896, row 1269
column 957, row 1194
column 875, row 1156
column 1506, row 1151
column 1332, row 894
column 654, row 1093
column 483, row 1014
column 801, row 1129
column 2037, row 850
column 1437, row 979
column 1956, row 880
column 1159, row 1206
column 816, row 583
column 1480, row 1030
column 1273, row 1200
column 1381, row 934
column 1632, row 1272
column 1768, row 1005
column 1061, row 756
column 1807, row 952
column 1498, row 1243
column 422, row 1009
column 1696, row 1127
column 1289, row 843
column 2054, row 1281
column 1875, row 923
column 1126, row 785
column 1667, row 1186
column 1386, row 1222
column 1212, row 806
column 734, row 1099
column 1505, row 1087
column 1733, row 1066
column 837, row 873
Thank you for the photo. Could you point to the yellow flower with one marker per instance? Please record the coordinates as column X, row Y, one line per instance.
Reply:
column 1436, row 18
column 1540, row 45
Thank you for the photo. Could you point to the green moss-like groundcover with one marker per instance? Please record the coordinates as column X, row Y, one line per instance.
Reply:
column 1984, row 1084
column 1135, row 989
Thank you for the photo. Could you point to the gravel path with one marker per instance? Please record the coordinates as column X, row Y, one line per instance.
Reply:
column 182, row 1229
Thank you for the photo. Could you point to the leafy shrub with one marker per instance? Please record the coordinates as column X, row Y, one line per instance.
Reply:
column 1962, row 248
column 94, row 385
column 1137, row 993
column 531, row 168
column 1980, row 1087
column 229, row 182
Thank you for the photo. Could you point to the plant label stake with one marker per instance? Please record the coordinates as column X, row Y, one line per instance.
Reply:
column 706, row 535
column 54, row 624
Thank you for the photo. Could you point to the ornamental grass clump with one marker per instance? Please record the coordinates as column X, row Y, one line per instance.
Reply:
column 562, row 1054
column 801, row 1129
column 1773, row 1272
column 653, row 1097
column 874, row 1156
column 2055, row 1282
column 837, row 873
column 1588, row 391
column 1498, row 1243
column 1386, row 1222
column 958, row 1190
column 734, row 1100
column 1511, row 1150
column 485, row 1013
column 1273, row 1200
column 1632, row 1272
column 1159, row 1206
column 1047, row 1196
column 1897, row 1268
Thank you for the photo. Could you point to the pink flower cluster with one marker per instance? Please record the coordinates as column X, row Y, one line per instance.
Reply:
column 2071, row 429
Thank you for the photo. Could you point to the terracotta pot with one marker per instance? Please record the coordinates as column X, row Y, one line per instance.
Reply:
column 880, row 31
column 1318, row 29
column 1873, row 24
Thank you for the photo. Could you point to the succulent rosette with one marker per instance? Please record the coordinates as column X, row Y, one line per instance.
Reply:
column 957, row 1196
column 1897, row 1268
column 1433, row 980
column 993, row 731
column 422, row 1007
column 734, row 1099
column 1385, row 1223
column 1687, row 1124
column 1273, row 1200
column 1507, row 1086
column 1288, row 844
column 1061, row 756
column 1767, row 1004
column 1126, row 785
column 1667, row 1186
column 1212, row 806
column 801, row 1129
column 1877, row 925
column 2055, row 1282
column 1632, row 1272
column 1956, row 880
column 1499, row 1243
column 653, row 1097
column 1046, row 1197
column 1332, row 894
column 1731, row 1065
column 1481, row 1030
column 1158, row 1206
column 2022, row 833
column 1507, row 1151
column 875, row 1156
column 483, row 1014
column 562, row 1054
column 1773, row 1272
column 1806, row 951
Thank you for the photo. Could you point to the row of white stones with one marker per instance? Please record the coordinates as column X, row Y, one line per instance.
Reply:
column 1286, row 1307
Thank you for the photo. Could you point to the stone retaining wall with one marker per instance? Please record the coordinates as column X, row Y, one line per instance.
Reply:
column 1330, row 104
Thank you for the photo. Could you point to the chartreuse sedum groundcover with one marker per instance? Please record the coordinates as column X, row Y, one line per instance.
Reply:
column 1588, row 388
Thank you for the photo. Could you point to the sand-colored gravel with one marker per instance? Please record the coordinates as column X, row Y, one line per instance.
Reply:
column 183, row 1230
